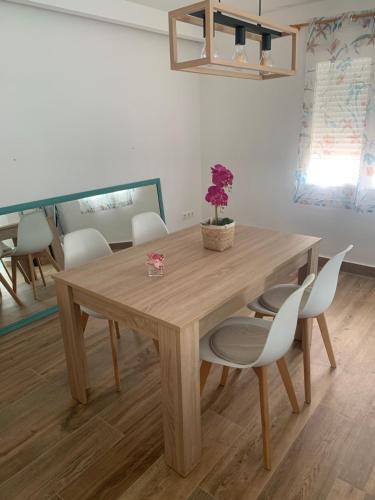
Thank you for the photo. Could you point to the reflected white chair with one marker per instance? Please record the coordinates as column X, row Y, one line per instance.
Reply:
column 7, row 252
column 315, row 302
column 34, row 237
column 4, row 249
column 81, row 247
column 148, row 226
column 243, row 342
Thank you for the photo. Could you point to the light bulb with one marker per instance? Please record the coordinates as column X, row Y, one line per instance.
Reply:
column 266, row 59
column 239, row 54
column 204, row 51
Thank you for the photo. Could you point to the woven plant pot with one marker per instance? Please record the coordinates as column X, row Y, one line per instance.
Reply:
column 217, row 238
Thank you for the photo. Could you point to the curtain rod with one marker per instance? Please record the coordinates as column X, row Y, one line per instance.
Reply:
column 331, row 19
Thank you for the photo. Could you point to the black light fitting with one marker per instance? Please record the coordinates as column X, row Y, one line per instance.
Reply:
column 232, row 22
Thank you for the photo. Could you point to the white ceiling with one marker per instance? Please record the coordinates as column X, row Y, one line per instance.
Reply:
column 250, row 5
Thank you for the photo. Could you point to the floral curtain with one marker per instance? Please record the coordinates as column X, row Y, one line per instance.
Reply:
column 106, row 201
column 341, row 54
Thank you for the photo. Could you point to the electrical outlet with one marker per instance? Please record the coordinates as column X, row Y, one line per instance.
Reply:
column 188, row 214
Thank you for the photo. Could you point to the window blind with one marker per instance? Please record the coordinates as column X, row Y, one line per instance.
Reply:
column 338, row 121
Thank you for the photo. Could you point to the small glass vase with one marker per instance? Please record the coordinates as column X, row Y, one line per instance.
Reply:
column 155, row 271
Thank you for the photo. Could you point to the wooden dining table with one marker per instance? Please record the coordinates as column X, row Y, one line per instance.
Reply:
column 200, row 289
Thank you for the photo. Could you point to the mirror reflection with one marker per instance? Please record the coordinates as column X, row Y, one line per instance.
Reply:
column 32, row 244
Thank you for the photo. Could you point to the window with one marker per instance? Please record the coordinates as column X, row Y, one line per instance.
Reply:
column 336, row 166
column 338, row 122
column 107, row 201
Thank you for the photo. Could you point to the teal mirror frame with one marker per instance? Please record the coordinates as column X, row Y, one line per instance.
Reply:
column 61, row 199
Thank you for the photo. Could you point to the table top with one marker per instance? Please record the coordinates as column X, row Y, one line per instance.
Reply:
column 196, row 280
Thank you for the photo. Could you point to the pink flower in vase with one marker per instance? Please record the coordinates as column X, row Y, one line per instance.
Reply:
column 155, row 260
column 217, row 196
column 222, row 180
column 221, row 176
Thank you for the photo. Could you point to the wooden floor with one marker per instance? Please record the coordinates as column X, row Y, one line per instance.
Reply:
column 10, row 311
column 53, row 448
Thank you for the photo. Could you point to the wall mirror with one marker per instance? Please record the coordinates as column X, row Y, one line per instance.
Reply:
column 32, row 242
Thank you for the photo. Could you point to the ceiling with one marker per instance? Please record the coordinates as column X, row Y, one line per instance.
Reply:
column 250, row 5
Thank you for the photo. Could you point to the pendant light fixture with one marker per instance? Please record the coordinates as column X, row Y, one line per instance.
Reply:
column 204, row 47
column 215, row 17
column 239, row 54
column 266, row 59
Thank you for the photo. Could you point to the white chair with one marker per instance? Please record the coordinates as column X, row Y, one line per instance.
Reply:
column 315, row 303
column 4, row 249
column 147, row 227
column 34, row 237
column 80, row 247
column 243, row 342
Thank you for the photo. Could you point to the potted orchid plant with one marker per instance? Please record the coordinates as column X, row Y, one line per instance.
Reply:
column 218, row 232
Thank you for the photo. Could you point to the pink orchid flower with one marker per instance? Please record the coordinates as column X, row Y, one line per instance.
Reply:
column 222, row 180
column 221, row 176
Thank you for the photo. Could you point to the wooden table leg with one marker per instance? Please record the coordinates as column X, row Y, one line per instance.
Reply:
column 179, row 362
column 71, row 327
column 310, row 267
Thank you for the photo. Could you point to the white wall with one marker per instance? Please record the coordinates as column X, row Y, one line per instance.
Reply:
column 253, row 128
column 86, row 104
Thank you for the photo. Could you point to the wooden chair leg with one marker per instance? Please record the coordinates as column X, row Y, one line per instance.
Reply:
column 117, row 330
column 299, row 329
column 112, row 334
column 258, row 315
column 84, row 320
column 41, row 270
column 306, row 347
column 224, row 376
column 205, row 370
column 52, row 260
column 264, row 411
column 24, row 274
column 284, row 373
column 31, row 264
column 322, row 321
column 156, row 344
column 14, row 273
column 6, row 269
column 10, row 290
column 33, row 270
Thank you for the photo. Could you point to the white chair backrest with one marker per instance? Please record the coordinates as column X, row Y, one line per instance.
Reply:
column 84, row 245
column 147, row 227
column 33, row 234
column 324, row 288
column 283, row 327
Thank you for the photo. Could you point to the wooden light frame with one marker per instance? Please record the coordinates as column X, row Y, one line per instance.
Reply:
column 225, row 67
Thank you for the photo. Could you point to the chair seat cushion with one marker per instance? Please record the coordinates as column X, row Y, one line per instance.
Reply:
column 240, row 340
column 92, row 313
column 274, row 297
